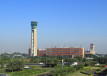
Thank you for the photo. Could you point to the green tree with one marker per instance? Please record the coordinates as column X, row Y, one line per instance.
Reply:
column 35, row 60
column 70, row 60
column 55, row 61
column 15, row 65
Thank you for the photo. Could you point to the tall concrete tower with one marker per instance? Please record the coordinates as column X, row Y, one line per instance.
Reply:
column 92, row 49
column 34, row 38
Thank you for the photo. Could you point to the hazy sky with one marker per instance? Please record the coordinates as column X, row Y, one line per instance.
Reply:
column 61, row 23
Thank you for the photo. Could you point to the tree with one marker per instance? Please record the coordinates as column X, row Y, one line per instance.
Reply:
column 102, row 60
column 55, row 61
column 35, row 60
column 15, row 65
column 51, row 62
column 70, row 60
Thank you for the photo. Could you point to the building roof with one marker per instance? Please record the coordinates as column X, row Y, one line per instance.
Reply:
column 87, row 51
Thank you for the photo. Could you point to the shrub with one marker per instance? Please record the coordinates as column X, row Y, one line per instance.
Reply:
column 15, row 65
column 63, row 71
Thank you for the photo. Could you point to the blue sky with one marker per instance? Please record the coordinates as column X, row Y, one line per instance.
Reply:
column 60, row 23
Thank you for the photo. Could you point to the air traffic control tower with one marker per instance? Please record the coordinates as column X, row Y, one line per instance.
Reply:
column 33, row 38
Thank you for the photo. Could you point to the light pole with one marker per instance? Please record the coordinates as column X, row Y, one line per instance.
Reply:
column 62, row 63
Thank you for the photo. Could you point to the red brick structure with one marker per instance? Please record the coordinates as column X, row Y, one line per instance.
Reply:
column 41, row 52
column 74, row 52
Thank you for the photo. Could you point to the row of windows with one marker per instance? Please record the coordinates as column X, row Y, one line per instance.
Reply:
column 62, row 48
column 65, row 51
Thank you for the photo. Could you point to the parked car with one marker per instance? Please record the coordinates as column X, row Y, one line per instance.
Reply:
column 74, row 63
column 97, row 64
column 26, row 67
column 41, row 63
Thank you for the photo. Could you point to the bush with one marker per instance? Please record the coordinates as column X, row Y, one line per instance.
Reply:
column 54, row 73
column 15, row 65
column 64, row 70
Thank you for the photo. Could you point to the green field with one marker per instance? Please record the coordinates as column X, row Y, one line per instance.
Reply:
column 34, row 66
column 77, row 73
column 27, row 72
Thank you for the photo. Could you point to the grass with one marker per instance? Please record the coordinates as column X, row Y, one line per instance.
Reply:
column 77, row 73
column 27, row 72
column 36, row 70
column 34, row 66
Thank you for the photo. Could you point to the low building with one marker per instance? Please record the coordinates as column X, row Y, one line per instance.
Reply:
column 30, row 53
column 87, row 52
column 41, row 52
column 73, row 52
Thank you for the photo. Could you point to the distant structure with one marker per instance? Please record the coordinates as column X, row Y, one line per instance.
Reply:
column 71, row 52
column 17, row 55
column 41, row 52
column 87, row 52
column 91, row 51
column 33, row 38
column 30, row 53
